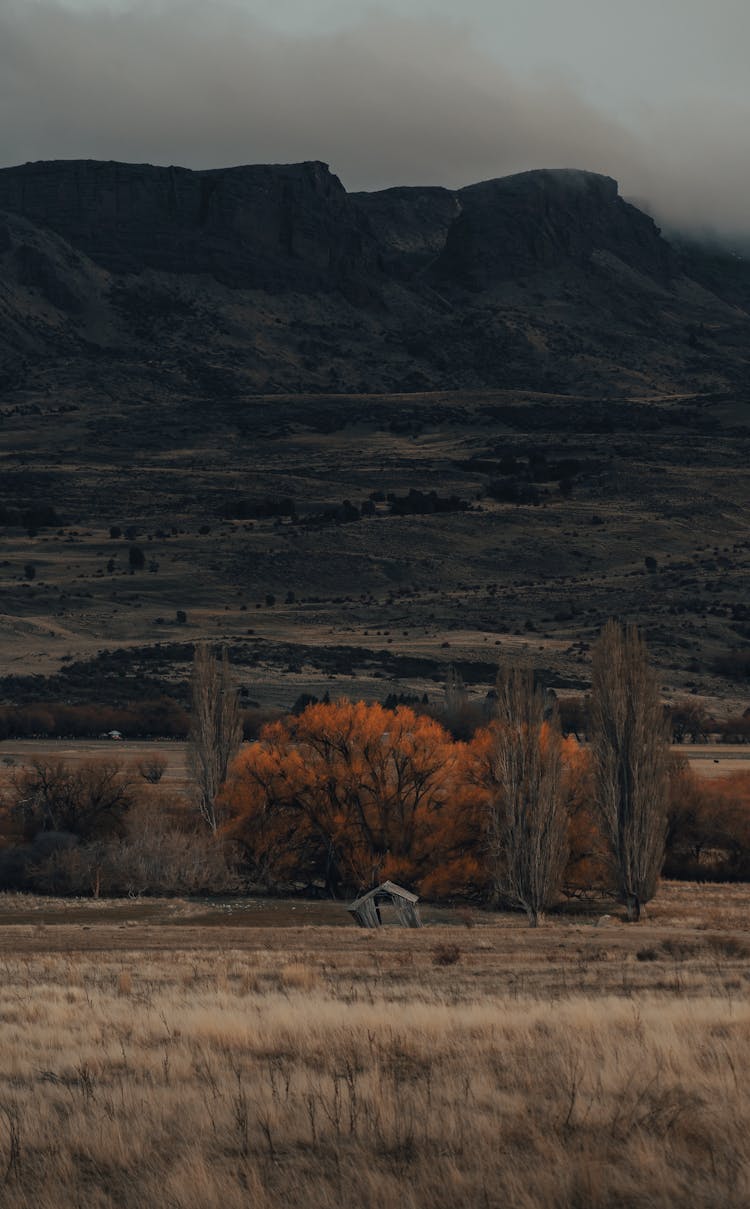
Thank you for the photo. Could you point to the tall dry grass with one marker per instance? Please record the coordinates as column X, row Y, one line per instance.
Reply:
column 373, row 1077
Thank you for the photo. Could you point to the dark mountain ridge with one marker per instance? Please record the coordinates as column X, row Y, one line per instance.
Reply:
column 274, row 278
column 426, row 424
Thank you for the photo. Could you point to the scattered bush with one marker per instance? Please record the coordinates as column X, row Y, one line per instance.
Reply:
column 446, row 955
column 153, row 767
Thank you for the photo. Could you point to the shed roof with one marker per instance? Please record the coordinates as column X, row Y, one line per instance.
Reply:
column 385, row 888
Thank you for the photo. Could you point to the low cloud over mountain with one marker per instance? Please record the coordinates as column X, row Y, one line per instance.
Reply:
column 384, row 99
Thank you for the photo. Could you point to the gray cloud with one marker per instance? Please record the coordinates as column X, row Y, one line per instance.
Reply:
column 384, row 100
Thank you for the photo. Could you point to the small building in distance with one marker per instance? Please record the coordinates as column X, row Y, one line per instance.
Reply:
column 367, row 908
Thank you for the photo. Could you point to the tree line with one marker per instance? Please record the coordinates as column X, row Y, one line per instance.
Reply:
column 342, row 795
column 351, row 794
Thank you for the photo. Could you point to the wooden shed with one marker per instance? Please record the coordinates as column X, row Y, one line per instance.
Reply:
column 367, row 908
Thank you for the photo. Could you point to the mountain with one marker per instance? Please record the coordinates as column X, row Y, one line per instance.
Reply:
column 272, row 278
column 358, row 437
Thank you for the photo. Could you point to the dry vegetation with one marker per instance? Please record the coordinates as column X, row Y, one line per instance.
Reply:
column 192, row 1067
column 367, row 607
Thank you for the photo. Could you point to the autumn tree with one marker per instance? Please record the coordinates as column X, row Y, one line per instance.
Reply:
column 350, row 794
column 215, row 728
column 528, row 821
column 708, row 824
column 629, row 746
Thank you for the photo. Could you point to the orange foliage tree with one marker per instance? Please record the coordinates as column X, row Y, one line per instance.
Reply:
column 587, row 870
column 351, row 794
column 708, row 824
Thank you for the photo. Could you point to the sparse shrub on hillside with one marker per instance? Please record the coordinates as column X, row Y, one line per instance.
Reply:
column 735, row 665
column 38, row 516
column 425, row 503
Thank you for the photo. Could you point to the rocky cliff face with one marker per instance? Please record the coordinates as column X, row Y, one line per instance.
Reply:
column 262, row 227
column 276, row 227
column 546, row 220
column 409, row 225
column 272, row 278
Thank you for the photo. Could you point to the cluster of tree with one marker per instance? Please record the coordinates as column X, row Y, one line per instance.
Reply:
column 425, row 503
column 344, row 795
column 413, row 503
column 100, row 828
column 347, row 795
column 689, row 721
column 735, row 665
column 162, row 718
column 36, row 516
column 708, row 836
column 259, row 509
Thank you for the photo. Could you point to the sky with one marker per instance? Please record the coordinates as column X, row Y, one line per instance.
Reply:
column 653, row 92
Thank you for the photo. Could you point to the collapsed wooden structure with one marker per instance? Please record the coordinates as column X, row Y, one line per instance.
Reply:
column 366, row 908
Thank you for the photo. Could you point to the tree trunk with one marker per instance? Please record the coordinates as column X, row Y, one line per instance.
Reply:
column 633, row 908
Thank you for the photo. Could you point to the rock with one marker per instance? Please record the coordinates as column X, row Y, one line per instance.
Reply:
column 266, row 279
column 271, row 227
column 518, row 225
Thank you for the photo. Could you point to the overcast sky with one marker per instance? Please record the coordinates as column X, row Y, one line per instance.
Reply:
column 653, row 92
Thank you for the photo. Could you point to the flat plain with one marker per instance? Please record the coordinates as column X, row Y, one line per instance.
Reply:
column 191, row 1055
column 708, row 760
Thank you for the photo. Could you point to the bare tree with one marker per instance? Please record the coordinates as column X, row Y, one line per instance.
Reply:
column 529, row 823
column 215, row 728
column 455, row 692
column 629, row 745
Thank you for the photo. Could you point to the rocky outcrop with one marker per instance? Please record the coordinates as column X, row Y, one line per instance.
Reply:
column 410, row 225
column 263, row 227
column 271, row 278
column 538, row 221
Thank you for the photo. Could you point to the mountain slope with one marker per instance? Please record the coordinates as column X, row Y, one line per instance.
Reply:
column 272, row 278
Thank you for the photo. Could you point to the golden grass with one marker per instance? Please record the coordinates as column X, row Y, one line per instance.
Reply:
column 574, row 1067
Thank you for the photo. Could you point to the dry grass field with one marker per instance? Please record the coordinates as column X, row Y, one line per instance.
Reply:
column 708, row 760
column 21, row 753
column 155, row 1060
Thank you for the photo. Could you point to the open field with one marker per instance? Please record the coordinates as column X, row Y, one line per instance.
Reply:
column 715, row 761
column 709, row 760
column 147, row 1062
column 130, row 753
